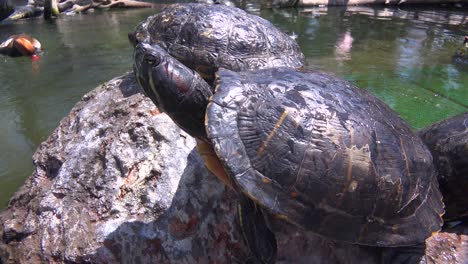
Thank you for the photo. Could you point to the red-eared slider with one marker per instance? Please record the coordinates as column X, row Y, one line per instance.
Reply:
column 461, row 55
column 307, row 147
column 208, row 37
column 448, row 142
column 20, row 45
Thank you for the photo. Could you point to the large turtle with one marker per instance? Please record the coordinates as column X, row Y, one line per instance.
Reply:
column 306, row 147
column 448, row 142
column 208, row 37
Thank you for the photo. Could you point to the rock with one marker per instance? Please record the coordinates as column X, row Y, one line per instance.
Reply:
column 119, row 182
column 447, row 247
column 450, row 246
column 6, row 8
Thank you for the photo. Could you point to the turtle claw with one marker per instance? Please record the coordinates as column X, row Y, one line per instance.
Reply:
column 259, row 238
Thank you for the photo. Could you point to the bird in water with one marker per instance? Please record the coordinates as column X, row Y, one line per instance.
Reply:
column 21, row 45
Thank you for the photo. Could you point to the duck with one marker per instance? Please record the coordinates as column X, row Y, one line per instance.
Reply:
column 20, row 45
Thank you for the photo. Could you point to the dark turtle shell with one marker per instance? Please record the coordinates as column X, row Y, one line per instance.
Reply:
column 208, row 37
column 324, row 155
column 448, row 142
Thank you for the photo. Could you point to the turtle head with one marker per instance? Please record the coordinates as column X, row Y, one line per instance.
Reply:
column 173, row 87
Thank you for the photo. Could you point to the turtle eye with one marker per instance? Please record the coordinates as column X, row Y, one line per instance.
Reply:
column 152, row 60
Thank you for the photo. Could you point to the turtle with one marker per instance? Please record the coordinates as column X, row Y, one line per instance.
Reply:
column 461, row 55
column 304, row 147
column 448, row 142
column 207, row 37
column 20, row 45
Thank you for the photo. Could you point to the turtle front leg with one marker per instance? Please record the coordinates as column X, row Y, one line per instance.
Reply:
column 259, row 238
column 212, row 162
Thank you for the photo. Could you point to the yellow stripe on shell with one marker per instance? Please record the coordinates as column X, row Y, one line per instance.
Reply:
column 272, row 133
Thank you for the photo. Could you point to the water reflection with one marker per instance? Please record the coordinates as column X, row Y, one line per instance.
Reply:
column 390, row 52
column 404, row 56
column 343, row 47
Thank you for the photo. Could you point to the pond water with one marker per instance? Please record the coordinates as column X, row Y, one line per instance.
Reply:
column 403, row 56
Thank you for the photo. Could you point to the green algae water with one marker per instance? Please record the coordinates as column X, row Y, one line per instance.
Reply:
column 403, row 56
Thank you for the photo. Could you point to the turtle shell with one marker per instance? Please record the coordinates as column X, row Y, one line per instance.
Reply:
column 208, row 37
column 324, row 155
column 448, row 142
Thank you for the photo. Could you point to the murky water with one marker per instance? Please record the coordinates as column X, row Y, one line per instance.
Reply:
column 402, row 56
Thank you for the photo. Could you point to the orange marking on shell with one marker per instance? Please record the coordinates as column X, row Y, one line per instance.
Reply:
column 405, row 157
column 282, row 217
column 294, row 194
column 266, row 180
column 272, row 133
column 24, row 46
column 349, row 171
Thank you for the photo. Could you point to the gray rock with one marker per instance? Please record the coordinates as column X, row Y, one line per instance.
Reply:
column 6, row 8
column 119, row 182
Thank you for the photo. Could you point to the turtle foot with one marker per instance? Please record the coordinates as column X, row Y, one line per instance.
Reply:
column 404, row 255
column 257, row 235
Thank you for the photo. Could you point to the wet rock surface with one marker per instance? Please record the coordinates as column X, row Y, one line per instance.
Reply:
column 119, row 182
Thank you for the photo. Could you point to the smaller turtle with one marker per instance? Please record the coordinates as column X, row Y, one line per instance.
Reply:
column 208, row 37
column 304, row 147
column 448, row 142
column 20, row 45
column 461, row 55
